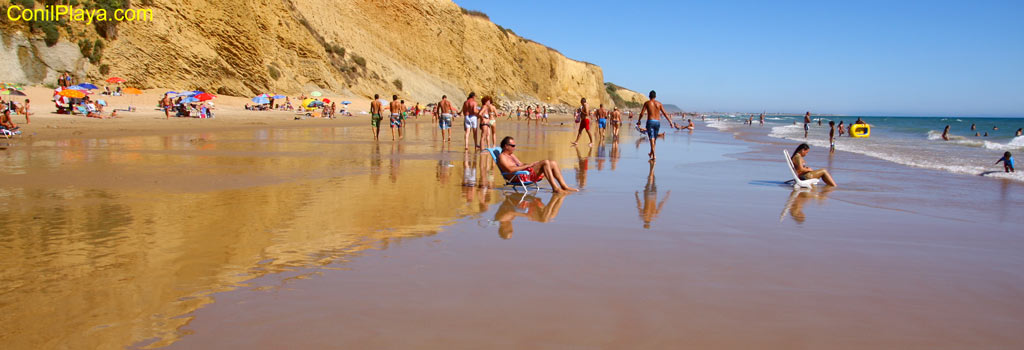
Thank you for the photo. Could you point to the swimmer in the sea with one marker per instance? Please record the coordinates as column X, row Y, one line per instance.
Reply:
column 945, row 133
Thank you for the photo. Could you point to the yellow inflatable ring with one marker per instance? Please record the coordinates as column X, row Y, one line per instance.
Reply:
column 860, row 130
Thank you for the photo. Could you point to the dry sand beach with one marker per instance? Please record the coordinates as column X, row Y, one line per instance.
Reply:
column 315, row 236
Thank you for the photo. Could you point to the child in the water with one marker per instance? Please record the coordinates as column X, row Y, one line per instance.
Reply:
column 1007, row 160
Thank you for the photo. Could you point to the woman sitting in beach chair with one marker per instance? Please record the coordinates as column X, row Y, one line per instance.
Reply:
column 7, row 124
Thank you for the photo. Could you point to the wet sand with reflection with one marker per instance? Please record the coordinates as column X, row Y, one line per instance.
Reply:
column 110, row 240
column 319, row 239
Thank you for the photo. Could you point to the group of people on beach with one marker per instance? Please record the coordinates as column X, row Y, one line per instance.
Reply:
column 182, row 110
column 398, row 114
column 10, row 107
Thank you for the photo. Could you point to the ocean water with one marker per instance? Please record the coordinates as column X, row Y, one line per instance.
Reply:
column 912, row 141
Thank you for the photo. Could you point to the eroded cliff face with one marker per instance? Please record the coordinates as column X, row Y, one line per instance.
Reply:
column 418, row 49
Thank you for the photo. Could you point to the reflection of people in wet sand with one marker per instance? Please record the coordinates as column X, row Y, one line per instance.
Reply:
column 509, row 163
column 795, row 204
column 582, row 167
column 614, row 153
column 650, row 207
column 468, row 170
column 525, row 205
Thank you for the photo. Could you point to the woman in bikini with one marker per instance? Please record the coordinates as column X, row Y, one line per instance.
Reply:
column 488, row 113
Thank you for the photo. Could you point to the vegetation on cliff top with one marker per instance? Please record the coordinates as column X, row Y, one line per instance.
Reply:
column 620, row 102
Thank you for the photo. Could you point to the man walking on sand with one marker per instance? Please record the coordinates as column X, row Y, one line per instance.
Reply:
column 447, row 109
column 584, row 122
column 396, row 116
column 167, row 106
column 470, row 121
column 375, row 116
column 654, row 111
column 602, row 121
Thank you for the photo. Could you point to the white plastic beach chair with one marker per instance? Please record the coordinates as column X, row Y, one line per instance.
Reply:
column 8, row 134
column 797, row 183
column 513, row 179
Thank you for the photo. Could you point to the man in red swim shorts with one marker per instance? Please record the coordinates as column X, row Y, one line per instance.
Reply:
column 508, row 163
column 584, row 123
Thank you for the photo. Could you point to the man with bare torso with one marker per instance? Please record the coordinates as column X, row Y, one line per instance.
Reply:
column 807, row 123
column 166, row 104
column 396, row 109
column 446, row 109
column 602, row 121
column 470, row 120
column 654, row 111
column 584, row 123
column 509, row 164
column 375, row 116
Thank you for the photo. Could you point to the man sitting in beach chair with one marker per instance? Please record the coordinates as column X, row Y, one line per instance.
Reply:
column 512, row 169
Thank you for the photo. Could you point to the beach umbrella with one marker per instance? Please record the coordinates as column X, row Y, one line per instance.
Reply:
column 71, row 93
column 310, row 103
column 189, row 99
column 345, row 102
column 88, row 86
column 115, row 80
column 316, row 94
column 171, row 93
column 204, row 96
column 132, row 91
column 77, row 87
column 279, row 96
column 12, row 92
column 261, row 100
column 327, row 101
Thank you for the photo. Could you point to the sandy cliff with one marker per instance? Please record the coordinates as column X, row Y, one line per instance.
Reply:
column 418, row 49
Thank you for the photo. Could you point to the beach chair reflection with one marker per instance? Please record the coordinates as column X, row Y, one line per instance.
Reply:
column 513, row 179
column 525, row 205
column 795, row 203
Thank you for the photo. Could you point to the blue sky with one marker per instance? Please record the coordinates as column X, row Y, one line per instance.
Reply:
column 848, row 57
